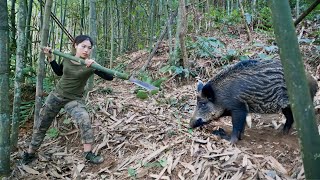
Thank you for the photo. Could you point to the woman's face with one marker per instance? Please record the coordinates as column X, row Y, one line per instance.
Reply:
column 83, row 49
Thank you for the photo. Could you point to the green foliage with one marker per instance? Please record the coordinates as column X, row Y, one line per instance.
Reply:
column 26, row 110
column 205, row 47
column 145, row 77
column 234, row 18
column 264, row 18
column 53, row 133
column 159, row 163
column 67, row 121
column 120, row 67
column 216, row 14
column 231, row 55
column 132, row 172
column 178, row 70
column 142, row 94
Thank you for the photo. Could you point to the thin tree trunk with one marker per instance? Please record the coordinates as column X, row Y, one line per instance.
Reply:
column 151, row 23
column 297, row 8
column 176, row 58
column 41, row 60
column 299, row 94
column 4, row 93
column 105, row 31
column 182, row 33
column 63, row 20
column 163, row 33
column 28, row 34
column 20, row 57
column 245, row 22
column 129, row 34
column 52, row 34
column 121, row 29
column 112, row 34
column 93, row 34
column 169, row 9
column 82, row 17
column 13, row 27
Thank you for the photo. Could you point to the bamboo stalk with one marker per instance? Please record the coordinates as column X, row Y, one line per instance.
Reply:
column 94, row 65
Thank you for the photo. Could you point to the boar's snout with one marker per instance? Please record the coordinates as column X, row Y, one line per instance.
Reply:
column 197, row 122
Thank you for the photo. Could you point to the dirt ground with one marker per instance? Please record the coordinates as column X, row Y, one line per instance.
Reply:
column 150, row 139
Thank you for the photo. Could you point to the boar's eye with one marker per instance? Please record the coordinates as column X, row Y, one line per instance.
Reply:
column 202, row 104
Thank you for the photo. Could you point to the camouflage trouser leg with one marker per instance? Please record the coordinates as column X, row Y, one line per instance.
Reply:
column 79, row 113
column 48, row 112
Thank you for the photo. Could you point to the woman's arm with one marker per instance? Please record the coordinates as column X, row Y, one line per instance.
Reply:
column 104, row 75
column 57, row 68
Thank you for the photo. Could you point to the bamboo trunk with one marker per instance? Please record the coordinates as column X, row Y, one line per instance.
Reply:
column 299, row 95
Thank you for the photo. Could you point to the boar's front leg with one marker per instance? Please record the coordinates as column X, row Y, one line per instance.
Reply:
column 289, row 119
column 238, row 123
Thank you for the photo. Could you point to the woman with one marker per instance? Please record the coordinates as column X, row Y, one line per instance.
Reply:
column 68, row 94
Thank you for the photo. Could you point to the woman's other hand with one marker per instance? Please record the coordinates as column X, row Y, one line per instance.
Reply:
column 48, row 52
column 88, row 62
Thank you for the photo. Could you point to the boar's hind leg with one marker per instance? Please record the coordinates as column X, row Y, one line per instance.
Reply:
column 289, row 119
column 238, row 123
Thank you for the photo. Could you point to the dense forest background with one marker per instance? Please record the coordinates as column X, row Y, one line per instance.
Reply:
column 167, row 43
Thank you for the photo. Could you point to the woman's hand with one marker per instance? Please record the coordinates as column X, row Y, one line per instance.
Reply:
column 88, row 62
column 48, row 52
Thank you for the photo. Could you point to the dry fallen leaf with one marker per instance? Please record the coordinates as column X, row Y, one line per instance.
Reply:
column 29, row 169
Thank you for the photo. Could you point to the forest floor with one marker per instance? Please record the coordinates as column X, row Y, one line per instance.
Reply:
column 150, row 139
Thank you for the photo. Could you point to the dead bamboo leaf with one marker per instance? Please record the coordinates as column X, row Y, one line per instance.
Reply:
column 180, row 176
column 170, row 163
column 276, row 165
column 131, row 118
column 161, row 173
column 237, row 176
column 207, row 174
column 154, row 154
column 230, row 160
column 176, row 162
column 245, row 160
column 30, row 170
column 101, row 145
column 209, row 146
column 189, row 166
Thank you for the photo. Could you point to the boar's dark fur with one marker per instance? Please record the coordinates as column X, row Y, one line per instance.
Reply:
column 250, row 86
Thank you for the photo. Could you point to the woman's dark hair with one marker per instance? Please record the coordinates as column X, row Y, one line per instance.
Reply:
column 79, row 39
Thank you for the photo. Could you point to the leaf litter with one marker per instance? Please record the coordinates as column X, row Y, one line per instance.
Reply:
column 150, row 139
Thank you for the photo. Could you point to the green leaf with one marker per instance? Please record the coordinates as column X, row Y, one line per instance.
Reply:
column 66, row 121
column 158, row 82
column 53, row 132
column 243, row 58
column 142, row 94
column 132, row 172
column 165, row 69
column 163, row 162
column 153, row 92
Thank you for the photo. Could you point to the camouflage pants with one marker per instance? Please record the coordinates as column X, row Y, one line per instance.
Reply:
column 51, row 108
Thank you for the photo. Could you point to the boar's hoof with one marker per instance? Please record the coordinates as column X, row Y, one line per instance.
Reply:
column 285, row 130
column 235, row 137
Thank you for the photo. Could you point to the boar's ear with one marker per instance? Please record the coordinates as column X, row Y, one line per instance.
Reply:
column 208, row 92
column 199, row 85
